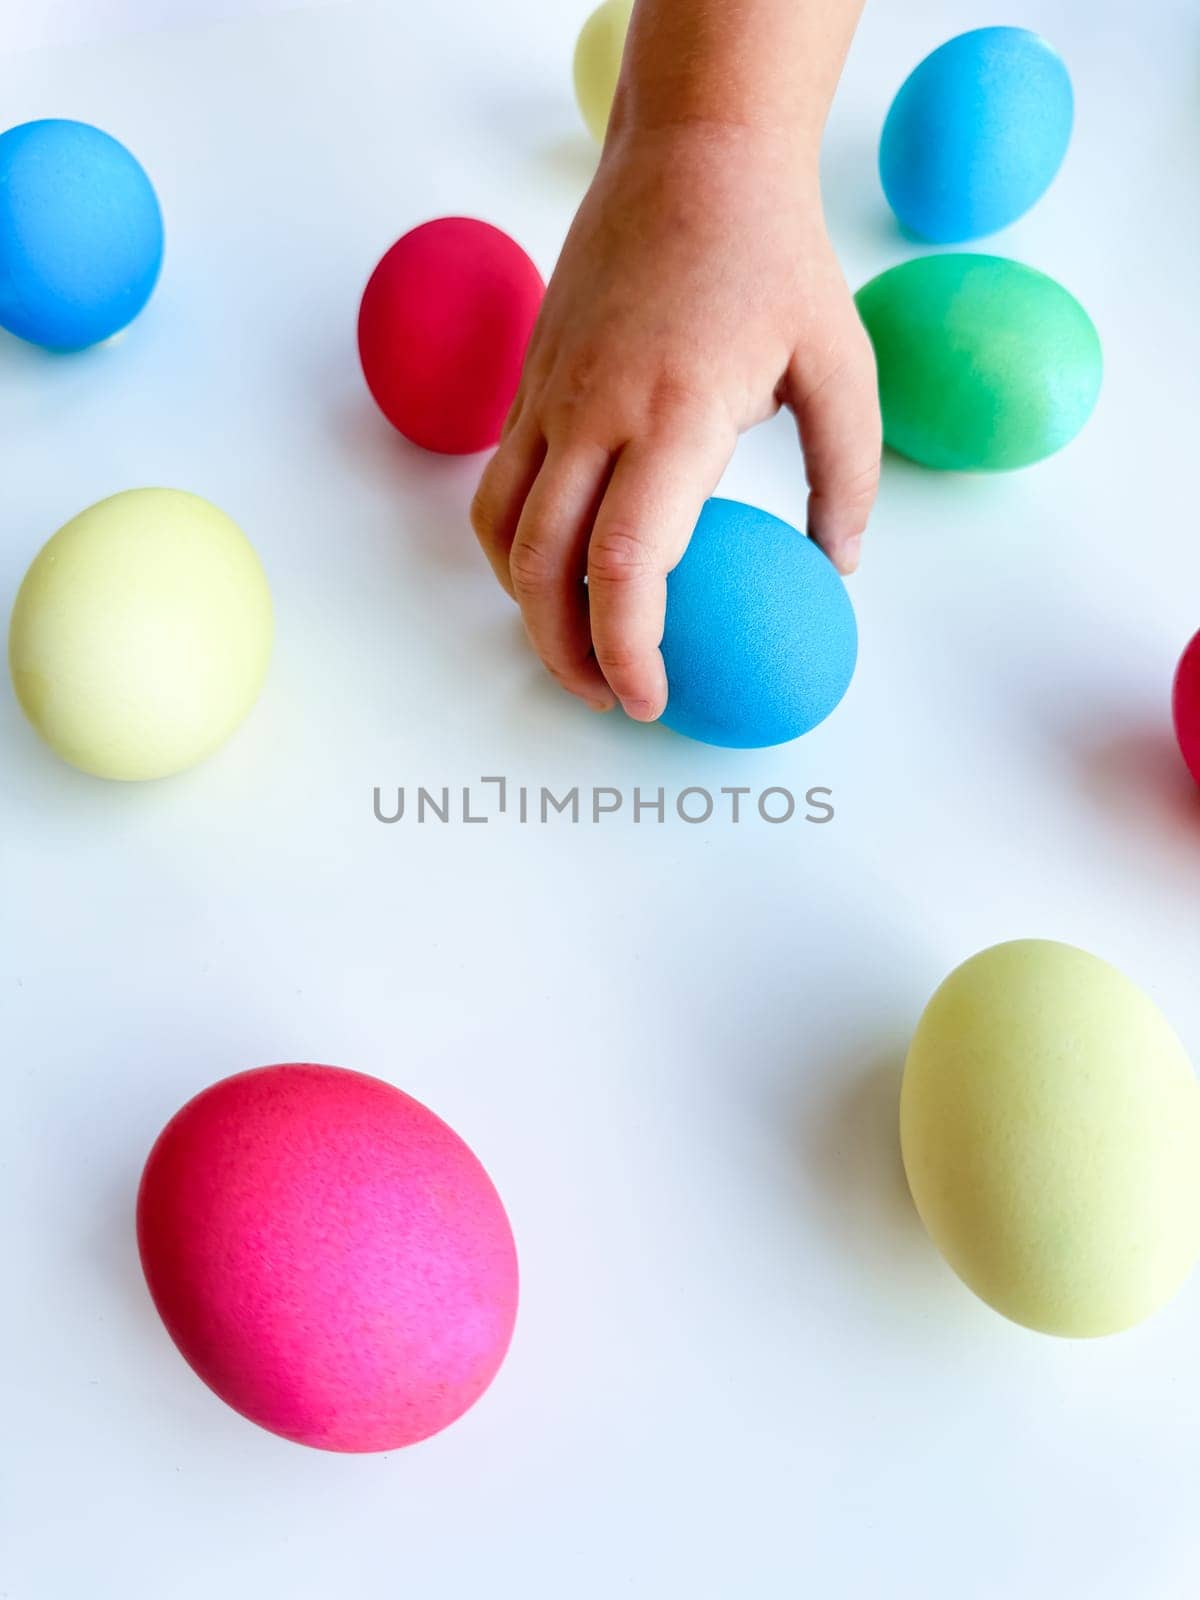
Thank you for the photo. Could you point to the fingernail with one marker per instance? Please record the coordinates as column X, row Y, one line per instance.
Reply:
column 601, row 705
column 851, row 554
column 639, row 710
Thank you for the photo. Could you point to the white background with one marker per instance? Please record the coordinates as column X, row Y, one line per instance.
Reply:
column 740, row 1369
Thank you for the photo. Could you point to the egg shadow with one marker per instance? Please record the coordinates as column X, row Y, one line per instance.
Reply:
column 18, row 356
column 856, row 212
column 1137, row 772
column 550, row 131
column 1118, row 747
column 25, row 367
column 426, row 542
column 440, row 487
column 847, row 1153
column 929, row 493
column 574, row 159
column 21, row 357
column 108, row 1252
column 959, row 481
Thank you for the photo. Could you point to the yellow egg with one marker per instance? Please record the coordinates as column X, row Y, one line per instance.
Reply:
column 598, row 62
column 141, row 634
column 1050, row 1128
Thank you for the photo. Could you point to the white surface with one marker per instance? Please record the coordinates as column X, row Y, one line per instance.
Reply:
column 740, row 1368
column 36, row 25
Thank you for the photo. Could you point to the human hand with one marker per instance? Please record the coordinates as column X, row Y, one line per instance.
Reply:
column 697, row 293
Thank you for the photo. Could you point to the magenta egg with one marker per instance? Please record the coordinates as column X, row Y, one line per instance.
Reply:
column 329, row 1257
column 1186, row 707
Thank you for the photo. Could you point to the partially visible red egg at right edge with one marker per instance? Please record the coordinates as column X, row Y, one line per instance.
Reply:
column 1186, row 706
column 443, row 328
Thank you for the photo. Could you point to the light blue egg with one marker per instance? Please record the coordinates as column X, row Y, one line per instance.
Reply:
column 976, row 134
column 81, row 234
column 760, row 640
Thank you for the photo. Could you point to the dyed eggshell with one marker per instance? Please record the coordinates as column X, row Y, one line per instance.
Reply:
column 328, row 1256
column 598, row 55
column 1186, row 707
column 976, row 134
column 81, row 234
column 984, row 364
column 760, row 640
column 1050, row 1129
column 141, row 634
column 442, row 331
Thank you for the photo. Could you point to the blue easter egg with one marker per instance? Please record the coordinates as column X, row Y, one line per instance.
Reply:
column 760, row 639
column 976, row 134
column 81, row 234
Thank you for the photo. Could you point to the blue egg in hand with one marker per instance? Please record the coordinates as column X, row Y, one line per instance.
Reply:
column 976, row 134
column 81, row 234
column 760, row 640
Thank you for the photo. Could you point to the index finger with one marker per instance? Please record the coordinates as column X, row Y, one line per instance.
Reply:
column 645, row 520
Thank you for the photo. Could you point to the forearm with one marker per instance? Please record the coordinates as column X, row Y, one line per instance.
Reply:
column 770, row 64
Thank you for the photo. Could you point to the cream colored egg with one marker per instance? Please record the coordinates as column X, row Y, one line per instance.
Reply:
column 141, row 634
column 1050, row 1129
column 598, row 62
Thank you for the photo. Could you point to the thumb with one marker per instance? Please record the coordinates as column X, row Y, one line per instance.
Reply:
column 841, row 435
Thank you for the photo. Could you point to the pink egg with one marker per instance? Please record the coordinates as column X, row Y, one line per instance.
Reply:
column 328, row 1256
column 1186, row 707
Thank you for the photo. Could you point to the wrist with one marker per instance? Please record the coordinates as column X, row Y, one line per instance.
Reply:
column 690, row 146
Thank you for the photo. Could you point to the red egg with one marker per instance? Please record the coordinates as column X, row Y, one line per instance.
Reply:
column 442, row 332
column 328, row 1256
column 1186, row 706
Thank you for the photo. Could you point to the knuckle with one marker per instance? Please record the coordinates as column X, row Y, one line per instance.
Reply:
column 859, row 367
column 568, row 404
column 617, row 658
column 483, row 516
column 849, row 499
column 619, row 555
column 859, row 487
column 565, row 666
column 512, row 418
column 685, row 402
column 677, row 393
column 563, row 411
column 531, row 566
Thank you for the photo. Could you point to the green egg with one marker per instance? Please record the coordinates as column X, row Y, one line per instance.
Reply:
column 984, row 364
column 1050, row 1130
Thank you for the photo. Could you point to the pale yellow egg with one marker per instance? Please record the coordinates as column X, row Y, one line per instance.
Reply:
column 598, row 62
column 1050, row 1129
column 141, row 634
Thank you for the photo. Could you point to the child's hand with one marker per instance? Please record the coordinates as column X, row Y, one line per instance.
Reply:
column 696, row 293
